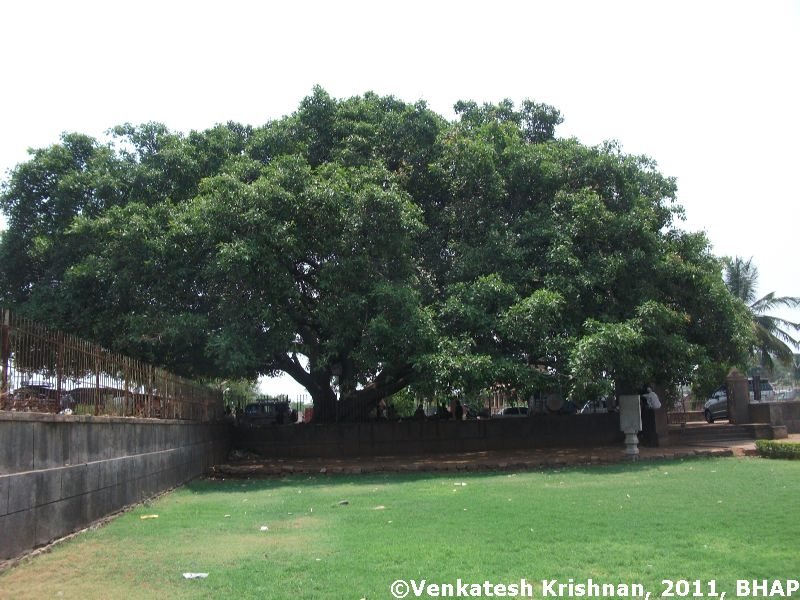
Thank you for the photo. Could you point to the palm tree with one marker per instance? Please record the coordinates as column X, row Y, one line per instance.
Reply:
column 796, row 370
column 772, row 335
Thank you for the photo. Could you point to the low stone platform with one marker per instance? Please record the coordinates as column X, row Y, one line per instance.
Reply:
column 242, row 465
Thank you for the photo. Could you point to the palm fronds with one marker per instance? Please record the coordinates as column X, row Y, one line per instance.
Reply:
column 773, row 335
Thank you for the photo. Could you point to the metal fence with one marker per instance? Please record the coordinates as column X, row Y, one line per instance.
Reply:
column 49, row 371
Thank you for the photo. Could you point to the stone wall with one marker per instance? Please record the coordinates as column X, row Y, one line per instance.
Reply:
column 428, row 437
column 777, row 413
column 59, row 474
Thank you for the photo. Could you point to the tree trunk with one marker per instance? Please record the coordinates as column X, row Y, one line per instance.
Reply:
column 326, row 407
column 355, row 404
column 358, row 406
column 318, row 385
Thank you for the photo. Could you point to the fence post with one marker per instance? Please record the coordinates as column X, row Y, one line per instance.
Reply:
column 5, row 349
column 59, row 367
column 97, row 380
column 150, row 395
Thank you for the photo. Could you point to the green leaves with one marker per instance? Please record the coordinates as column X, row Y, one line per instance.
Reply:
column 535, row 320
column 379, row 241
column 771, row 337
column 652, row 346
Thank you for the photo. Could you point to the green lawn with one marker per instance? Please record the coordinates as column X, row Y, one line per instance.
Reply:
column 703, row 519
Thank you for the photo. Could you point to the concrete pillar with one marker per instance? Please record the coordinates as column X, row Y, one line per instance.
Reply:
column 630, row 422
column 738, row 397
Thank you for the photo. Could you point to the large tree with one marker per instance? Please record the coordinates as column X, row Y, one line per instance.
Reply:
column 363, row 244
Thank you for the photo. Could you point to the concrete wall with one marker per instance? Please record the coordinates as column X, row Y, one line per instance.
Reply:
column 428, row 437
column 58, row 474
column 777, row 413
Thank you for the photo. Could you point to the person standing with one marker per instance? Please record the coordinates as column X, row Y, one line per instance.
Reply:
column 650, row 404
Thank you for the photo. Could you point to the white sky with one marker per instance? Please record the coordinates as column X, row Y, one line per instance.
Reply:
column 709, row 89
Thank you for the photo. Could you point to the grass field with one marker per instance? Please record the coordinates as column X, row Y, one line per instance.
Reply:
column 344, row 537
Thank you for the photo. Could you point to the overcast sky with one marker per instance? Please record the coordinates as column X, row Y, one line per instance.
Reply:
column 709, row 89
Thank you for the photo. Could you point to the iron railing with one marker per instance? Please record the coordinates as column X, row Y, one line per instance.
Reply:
column 44, row 370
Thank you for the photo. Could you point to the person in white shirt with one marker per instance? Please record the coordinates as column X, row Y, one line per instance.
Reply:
column 652, row 399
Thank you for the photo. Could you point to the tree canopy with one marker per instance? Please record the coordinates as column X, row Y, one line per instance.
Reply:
column 365, row 244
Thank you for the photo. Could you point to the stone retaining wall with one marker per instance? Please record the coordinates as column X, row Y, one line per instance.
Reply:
column 58, row 474
column 411, row 437
column 777, row 413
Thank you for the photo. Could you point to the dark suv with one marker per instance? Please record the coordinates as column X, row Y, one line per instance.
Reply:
column 267, row 413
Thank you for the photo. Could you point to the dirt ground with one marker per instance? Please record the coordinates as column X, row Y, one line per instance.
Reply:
column 243, row 465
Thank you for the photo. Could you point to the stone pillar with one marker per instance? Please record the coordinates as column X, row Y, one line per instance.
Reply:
column 738, row 397
column 630, row 422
